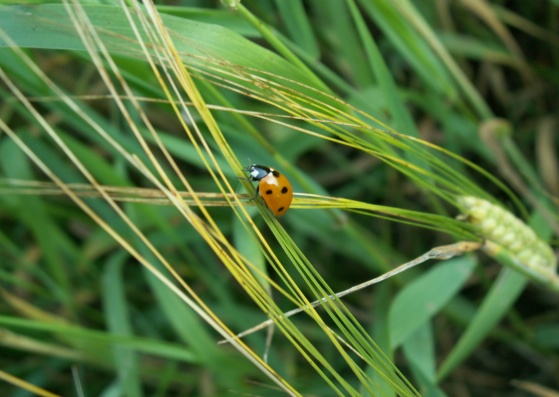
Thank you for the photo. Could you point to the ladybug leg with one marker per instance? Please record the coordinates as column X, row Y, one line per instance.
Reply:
column 250, row 180
column 255, row 194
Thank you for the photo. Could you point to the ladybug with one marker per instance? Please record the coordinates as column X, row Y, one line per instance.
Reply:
column 274, row 188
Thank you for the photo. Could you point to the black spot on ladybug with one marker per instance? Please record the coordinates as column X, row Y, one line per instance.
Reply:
column 284, row 190
column 275, row 173
column 280, row 209
column 269, row 191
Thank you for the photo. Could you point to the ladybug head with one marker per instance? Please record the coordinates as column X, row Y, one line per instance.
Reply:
column 258, row 172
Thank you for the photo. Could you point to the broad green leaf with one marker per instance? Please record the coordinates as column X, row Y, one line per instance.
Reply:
column 423, row 298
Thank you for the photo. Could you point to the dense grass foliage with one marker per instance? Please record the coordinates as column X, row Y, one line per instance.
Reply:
column 132, row 241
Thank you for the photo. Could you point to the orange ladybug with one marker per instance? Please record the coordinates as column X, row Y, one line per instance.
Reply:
column 273, row 186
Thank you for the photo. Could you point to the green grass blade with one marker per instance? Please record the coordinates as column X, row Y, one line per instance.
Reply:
column 117, row 315
column 495, row 306
column 424, row 297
